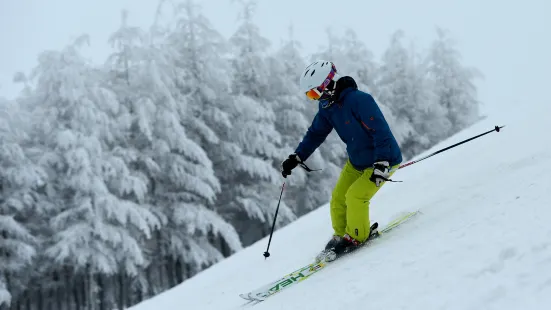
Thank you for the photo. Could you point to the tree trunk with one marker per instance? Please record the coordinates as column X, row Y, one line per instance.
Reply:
column 40, row 294
column 83, row 292
column 68, row 290
column 28, row 299
column 90, row 299
column 140, row 292
column 15, row 304
column 121, row 301
column 160, row 262
column 187, row 268
column 170, row 271
column 101, row 292
column 179, row 271
column 59, row 292
column 128, row 293
column 149, row 280
column 76, row 293
column 50, row 299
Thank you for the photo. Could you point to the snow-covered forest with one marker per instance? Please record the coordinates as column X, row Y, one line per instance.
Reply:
column 120, row 180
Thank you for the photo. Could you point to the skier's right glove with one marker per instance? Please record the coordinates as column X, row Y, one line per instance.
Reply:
column 380, row 173
column 289, row 164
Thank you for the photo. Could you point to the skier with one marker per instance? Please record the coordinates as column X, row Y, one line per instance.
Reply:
column 371, row 147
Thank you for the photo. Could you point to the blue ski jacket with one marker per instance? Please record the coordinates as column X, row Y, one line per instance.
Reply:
column 360, row 124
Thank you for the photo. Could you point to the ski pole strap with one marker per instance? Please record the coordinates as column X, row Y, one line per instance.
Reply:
column 390, row 180
column 305, row 167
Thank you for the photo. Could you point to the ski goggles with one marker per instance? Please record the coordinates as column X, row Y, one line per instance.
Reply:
column 317, row 92
column 314, row 94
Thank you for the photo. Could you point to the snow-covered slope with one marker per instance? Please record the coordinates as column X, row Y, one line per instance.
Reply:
column 482, row 242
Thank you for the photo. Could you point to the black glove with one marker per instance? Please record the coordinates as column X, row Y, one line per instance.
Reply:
column 380, row 172
column 289, row 164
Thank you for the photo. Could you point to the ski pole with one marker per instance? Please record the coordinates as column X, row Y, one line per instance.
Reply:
column 267, row 253
column 496, row 129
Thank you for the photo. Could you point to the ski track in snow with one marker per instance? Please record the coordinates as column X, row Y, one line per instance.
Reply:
column 483, row 240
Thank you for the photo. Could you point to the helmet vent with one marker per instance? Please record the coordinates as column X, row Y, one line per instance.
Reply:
column 323, row 64
column 313, row 71
column 306, row 72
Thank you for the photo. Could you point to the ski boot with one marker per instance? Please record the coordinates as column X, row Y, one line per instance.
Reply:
column 331, row 244
column 348, row 244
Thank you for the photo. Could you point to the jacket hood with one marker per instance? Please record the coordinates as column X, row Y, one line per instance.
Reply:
column 344, row 85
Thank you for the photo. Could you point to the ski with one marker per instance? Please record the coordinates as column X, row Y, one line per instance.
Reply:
column 301, row 274
column 250, row 296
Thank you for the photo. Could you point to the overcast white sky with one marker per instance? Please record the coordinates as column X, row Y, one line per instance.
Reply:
column 508, row 40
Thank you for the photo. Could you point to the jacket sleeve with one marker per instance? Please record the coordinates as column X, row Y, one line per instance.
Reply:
column 316, row 134
column 373, row 121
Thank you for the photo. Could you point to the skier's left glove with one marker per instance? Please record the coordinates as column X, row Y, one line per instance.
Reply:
column 289, row 164
column 380, row 172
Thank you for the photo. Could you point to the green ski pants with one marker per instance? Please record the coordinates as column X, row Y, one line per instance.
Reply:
column 350, row 202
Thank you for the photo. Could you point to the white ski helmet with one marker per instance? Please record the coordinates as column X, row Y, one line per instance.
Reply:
column 316, row 77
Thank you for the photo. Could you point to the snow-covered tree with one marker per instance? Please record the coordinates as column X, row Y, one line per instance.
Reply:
column 351, row 57
column 401, row 95
column 5, row 296
column 179, row 173
column 20, row 179
column 290, row 106
column 99, row 217
column 452, row 82
column 250, row 71
column 203, row 60
column 252, row 188
column 203, row 57
column 357, row 61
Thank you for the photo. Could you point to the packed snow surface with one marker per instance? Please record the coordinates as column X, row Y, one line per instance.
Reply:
column 483, row 240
